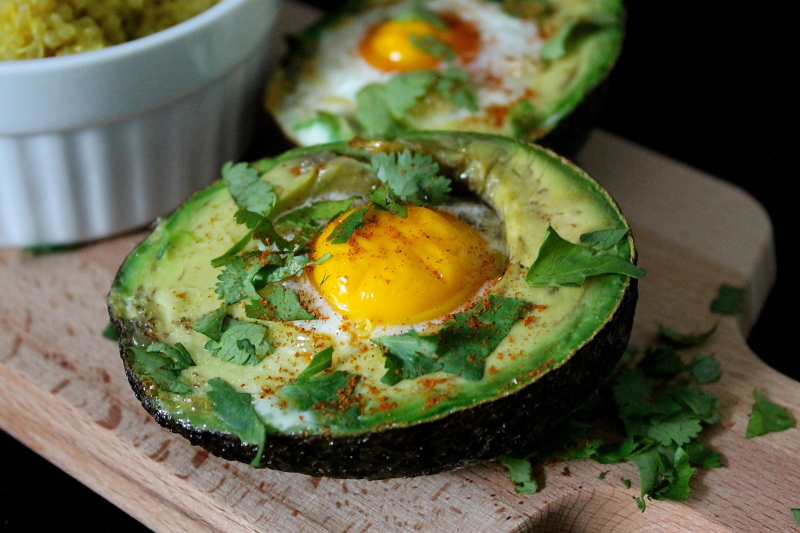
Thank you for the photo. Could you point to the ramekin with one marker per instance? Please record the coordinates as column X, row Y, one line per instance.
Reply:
column 103, row 142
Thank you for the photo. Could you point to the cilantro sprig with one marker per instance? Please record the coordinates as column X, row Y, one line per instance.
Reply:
column 325, row 392
column 562, row 263
column 164, row 364
column 235, row 409
column 767, row 417
column 406, row 178
column 461, row 347
column 657, row 409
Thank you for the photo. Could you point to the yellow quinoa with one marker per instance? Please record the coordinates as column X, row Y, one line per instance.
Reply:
column 32, row 29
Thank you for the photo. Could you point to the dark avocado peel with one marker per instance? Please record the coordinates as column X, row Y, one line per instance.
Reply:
column 566, row 81
column 566, row 342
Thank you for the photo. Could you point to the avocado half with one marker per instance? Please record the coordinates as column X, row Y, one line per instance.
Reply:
column 324, row 91
column 552, row 359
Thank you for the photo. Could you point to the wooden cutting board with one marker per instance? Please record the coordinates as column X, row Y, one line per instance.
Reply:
column 64, row 394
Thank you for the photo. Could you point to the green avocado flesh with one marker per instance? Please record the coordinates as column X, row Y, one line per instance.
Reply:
column 539, row 74
column 559, row 346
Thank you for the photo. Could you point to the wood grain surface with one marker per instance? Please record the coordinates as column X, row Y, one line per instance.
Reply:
column 64, row 394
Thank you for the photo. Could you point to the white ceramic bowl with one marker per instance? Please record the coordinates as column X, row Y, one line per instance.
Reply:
column 102, row 142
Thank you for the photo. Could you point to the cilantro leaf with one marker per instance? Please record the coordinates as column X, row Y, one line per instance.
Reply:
column 278, row 303
column 235, row 409
column 429, row 44
column 242, row 343
column 470, row 337
column 161, row 368
column 247, row 188
column 412, row 176
column 403, row 91
column 796, row 515
column 314, row 387
column 178, row 354
column 408, row 355
column 705, row 369
column 521, row 473
column 236, row 280
column 457, row 87
column 345, row 228
column 729, row 300
column 678, row 429
column 373, row 112
column 562, row 263
column 767, row 417
column 702, row 455
column 316, row 214
column 337, row 126
column 280, row 267
column 211, row 324
column 110, row 332
column 605, row 239
column 418, row 11
column 662, row 361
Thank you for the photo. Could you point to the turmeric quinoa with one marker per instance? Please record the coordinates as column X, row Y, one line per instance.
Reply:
column 31, row 29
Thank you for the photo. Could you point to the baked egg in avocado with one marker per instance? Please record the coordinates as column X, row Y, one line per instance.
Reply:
column 532, row 69
column 376, row 308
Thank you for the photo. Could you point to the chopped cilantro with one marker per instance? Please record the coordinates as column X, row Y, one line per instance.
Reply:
column 235, row 409
column 457, row 87
column 562, row 263
column 212, row 323
column 461, row 346
column 236, row 279
column 412, row 177
column 110, row 332
column 278, row 303
column 521, row 474
column 408, row 355
column 346, row 227
column 659, row 413
column 626, row 482
column 315, row 214
column 767, row 417
column 605, row 239
column 705, row 369
column 470, row 337
column 418, row 11
column 241, row 343
column 796, row 515
column 433, row 46
column 729, row 300
column 163, row 367
column 247, row 188
column 381, row 108
column 316, row 388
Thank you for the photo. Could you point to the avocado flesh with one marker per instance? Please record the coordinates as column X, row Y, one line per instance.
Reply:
column 564, row 93
column 538, row 374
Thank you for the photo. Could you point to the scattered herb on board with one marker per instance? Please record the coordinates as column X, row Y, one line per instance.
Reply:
column 651, row 412
column 796, row 515
column 110, row 332
column 729, row 300
column 767, row 417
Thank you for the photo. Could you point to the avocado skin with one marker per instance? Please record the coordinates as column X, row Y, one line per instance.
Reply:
column 463, row 438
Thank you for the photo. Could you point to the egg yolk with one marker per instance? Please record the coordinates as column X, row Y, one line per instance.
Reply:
column 390, row 45
column 396, row 270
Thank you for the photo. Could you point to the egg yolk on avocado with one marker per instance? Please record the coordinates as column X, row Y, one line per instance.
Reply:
column 399, row 45
column 395, row 270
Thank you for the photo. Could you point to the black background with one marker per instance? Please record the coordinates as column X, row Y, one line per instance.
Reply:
column 707, row 83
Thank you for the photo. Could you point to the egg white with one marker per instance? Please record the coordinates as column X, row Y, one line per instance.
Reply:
column 501, row 71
